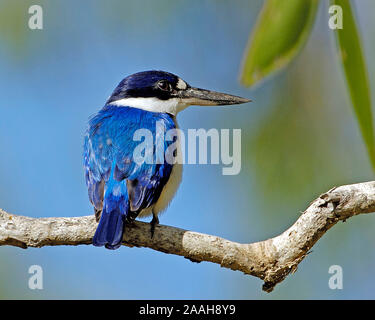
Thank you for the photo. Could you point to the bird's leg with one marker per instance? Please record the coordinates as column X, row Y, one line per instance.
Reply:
column 154, row 222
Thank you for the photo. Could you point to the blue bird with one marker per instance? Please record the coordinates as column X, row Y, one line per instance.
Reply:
column 119, row 187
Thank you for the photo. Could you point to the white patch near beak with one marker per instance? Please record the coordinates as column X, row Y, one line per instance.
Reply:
column 181, row 84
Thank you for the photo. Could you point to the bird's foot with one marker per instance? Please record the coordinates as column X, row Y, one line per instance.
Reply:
column 154, row 222
column 130, row 218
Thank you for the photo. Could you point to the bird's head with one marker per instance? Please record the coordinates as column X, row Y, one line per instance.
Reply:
column 160, row 91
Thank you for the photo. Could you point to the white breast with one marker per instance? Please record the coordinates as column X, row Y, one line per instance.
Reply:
column 169, row 190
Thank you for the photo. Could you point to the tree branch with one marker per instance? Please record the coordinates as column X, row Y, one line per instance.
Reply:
column 270, row 260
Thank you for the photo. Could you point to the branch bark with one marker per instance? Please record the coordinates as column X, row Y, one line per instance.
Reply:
column 270, row 260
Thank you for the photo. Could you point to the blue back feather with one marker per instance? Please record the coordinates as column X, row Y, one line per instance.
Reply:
column 117, row 185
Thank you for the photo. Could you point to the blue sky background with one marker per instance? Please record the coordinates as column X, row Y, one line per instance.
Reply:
column 299, row 138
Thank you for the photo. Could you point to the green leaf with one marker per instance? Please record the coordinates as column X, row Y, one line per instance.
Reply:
column 280, row 33
column 354, row 65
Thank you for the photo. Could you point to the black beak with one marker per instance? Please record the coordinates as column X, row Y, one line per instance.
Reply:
column 202, row 97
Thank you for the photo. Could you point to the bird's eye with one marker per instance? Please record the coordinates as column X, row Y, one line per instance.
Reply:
column 164, row 85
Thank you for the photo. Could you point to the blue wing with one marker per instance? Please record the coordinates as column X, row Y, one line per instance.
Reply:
column 118, row 186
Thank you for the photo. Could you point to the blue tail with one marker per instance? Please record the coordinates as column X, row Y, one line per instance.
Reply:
column 115, row 208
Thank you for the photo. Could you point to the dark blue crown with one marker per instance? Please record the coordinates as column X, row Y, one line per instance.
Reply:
column 144, row 84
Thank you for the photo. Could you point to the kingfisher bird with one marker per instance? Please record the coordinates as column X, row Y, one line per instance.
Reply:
column 120, row 188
